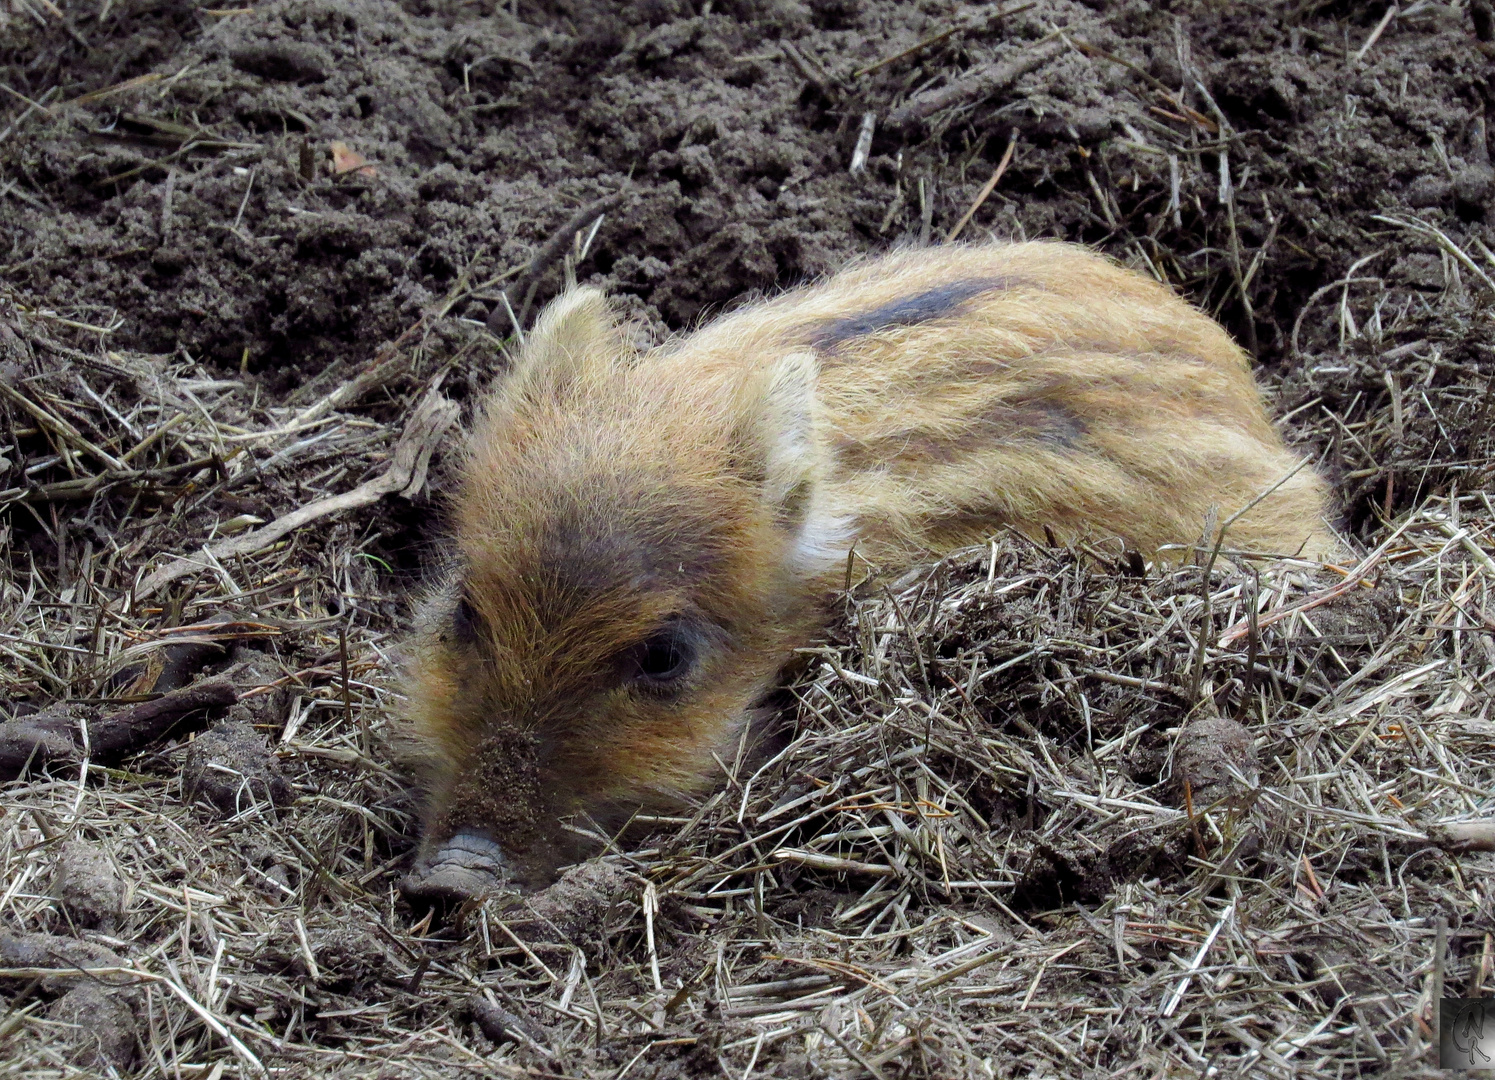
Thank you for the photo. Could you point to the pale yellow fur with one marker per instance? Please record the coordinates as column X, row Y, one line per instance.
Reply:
column 1175, row 423
column 711, row 488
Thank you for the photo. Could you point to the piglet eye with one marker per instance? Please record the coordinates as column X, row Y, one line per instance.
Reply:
column 665, row 657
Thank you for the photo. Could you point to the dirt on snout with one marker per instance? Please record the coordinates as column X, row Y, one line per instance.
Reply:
column 1034, row 812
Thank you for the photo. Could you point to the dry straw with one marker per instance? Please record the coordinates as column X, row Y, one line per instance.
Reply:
column 984, row 837
column 1032, row 811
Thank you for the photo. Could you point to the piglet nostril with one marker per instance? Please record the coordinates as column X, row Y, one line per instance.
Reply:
column 464, row 867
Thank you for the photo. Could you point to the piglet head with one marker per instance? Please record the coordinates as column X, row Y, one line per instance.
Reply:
column 641, row 543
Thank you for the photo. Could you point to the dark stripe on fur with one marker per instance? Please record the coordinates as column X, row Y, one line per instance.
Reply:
column 1030, row 424
column 906, row 311
column 1046, row 421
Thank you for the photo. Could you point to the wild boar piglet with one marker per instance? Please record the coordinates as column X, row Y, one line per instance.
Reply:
column 643, row 540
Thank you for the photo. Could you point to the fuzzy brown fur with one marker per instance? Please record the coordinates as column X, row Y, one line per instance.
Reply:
column 619, row 512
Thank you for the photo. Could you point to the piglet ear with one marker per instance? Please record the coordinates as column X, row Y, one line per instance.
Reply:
column 776, row 433
column 576, row 333
column 781, row 447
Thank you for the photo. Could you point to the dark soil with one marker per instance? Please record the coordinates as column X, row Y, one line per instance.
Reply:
column 201, row 211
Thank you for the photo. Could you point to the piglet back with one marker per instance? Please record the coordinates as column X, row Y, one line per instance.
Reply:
column 1038, row 386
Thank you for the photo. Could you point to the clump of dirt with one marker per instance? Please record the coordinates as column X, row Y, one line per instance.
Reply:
column 95, row 1013
column 577, row 908
column 1213, row 759
column 97, row 1027
column 231, row 767
column 88, row 886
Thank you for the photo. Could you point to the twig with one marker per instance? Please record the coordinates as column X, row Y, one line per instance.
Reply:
column 31, row 106
column 249, row 187
column 548, row 253
column 992, row 79
column 1440, row 238
column 406, row 475
column 42, row 738
column 864, row 143
column 503, row 298
column 812, row 72
column 1319, row 294
column 817, row 861
column 1462, row 837
column 1375, row 35
column 853, row 1053
column 387, row 363
column 935, row 39
column 81, row 357
column 986, row 190
column 501, row 1025
column 964, row 969
column 1195, row 964
column 85, row 487
column 118, row 88
column 246, row 1056
column 1351, row 581
column 1096, row 52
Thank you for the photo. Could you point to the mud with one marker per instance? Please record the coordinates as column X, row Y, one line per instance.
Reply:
column 577, row 908
column 97, row 1028
column 1211, row 752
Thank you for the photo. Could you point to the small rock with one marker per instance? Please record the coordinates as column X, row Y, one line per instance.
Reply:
column 232, row 767
column 88, row 888
column 1204, row 755
column 100, row 1031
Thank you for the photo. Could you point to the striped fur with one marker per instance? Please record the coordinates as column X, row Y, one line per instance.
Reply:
column 706, row 494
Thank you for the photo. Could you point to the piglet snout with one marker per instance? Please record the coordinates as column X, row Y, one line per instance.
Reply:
column 464, row 867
